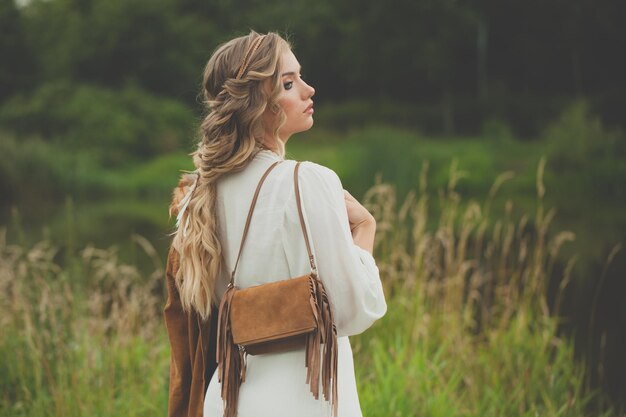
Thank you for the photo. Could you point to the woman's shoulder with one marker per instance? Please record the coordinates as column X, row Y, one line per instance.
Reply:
column 320, row 178
column 313, row 172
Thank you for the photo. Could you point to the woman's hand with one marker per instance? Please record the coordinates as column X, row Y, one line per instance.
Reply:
column 357, row 214
column 362, row 223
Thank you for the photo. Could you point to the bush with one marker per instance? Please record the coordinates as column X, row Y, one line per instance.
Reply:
column 34, row 168
column 577, row 137
column 585, row 155
column 352, row 114
column 496, row 129
column 119, row 126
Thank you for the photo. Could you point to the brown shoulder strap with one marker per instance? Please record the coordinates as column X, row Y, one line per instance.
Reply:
column 247, row 226
column 302, row 224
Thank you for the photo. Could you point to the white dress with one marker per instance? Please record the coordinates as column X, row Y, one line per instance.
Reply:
column 275, row 250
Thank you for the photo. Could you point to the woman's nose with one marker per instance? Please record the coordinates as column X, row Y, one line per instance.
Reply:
column 309, row 91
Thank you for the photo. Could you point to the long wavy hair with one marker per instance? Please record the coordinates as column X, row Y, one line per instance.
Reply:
column 231, row 133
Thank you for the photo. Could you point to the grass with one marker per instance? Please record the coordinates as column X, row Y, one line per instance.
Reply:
column 81, row 340
column 468, row 332
column 471, row 333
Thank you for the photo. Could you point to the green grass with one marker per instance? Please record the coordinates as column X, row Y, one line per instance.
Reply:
column 467, row 331
column 83, row 340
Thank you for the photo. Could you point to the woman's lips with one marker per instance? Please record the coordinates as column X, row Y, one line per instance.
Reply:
column 309, row 109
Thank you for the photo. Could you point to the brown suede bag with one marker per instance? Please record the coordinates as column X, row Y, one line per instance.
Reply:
column 276, row 317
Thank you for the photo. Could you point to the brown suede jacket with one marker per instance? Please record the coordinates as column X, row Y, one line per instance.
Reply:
column 192, row 340
column 193, row 343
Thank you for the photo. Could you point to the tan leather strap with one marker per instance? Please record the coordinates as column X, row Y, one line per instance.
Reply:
column 306, row 236
column 302, row 224
column 247, row 226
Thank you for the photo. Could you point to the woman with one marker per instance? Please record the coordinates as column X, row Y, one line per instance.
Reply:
column 256, row 100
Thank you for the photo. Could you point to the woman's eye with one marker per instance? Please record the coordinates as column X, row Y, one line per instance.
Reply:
column 288, row 85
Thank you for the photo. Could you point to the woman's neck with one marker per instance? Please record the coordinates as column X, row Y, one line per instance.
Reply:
column 270, row 146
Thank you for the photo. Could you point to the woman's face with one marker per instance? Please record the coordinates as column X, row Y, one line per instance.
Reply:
column 294, row 98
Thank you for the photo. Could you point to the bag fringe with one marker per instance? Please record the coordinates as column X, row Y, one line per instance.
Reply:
column 231, row 361
column 326, row 333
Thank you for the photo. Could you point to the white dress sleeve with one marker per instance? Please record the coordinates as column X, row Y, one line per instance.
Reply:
column 349, row 273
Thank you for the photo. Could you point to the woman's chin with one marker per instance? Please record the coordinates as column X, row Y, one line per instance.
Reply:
column 302, row 128
column 309, row 124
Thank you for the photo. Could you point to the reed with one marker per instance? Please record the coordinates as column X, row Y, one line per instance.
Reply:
column 80, row 340
column 469, row 330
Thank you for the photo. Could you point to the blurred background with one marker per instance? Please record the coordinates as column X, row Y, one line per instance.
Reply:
column 511, row 109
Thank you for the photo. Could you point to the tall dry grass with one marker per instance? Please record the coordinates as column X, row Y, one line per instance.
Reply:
column 82, row 339
column 469, row 330
column 481, row 269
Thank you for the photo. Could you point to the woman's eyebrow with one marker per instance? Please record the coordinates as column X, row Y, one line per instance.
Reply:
column 290, row 72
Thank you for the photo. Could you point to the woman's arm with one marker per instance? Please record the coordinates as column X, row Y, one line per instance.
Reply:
column 344, row 260
column 363, row 235
column 362, row 223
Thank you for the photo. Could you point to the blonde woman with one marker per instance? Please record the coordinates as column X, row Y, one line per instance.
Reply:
column 256, row 100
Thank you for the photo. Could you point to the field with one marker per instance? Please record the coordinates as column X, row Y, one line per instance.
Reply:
column 481, row 243
column 468, row 331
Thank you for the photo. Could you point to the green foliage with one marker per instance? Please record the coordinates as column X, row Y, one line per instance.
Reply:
column 41, row 173
column 578, row 137
column 154, row 178
column 437, row 55
column 496, row 129
column 116, row 127
column 399, row 155
column 356, row 114
column 114, row 42
column 578, row 141
column 35, row 169
column 16, row 66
